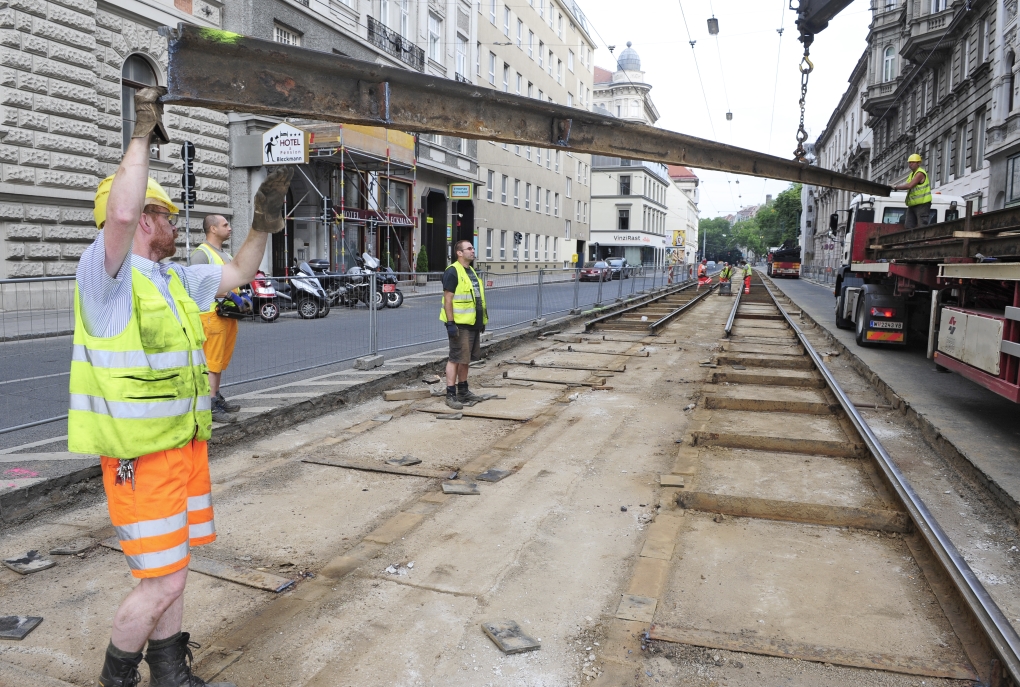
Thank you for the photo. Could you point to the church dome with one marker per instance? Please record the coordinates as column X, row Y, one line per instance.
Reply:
column 629, row 60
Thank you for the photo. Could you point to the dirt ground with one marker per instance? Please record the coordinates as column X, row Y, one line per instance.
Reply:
column 394, row 578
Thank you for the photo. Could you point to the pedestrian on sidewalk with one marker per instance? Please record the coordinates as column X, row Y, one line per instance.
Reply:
column 703, row 278
column 139, row 393
column 465, row 316
column 220, row 329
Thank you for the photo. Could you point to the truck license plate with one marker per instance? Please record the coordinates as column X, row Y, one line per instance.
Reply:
column 389, row 288
column 885, row 325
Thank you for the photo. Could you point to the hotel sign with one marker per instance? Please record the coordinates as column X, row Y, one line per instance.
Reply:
column 360, row 215
column 461, row 191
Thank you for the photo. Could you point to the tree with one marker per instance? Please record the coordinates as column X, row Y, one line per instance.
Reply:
column 423, row 260
column 780, row 221
column 714, row 232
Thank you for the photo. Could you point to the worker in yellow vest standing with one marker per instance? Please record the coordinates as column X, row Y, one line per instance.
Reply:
column 139, row 393
column 747, row 272
column 220, row 329
column 465, row 315
column 918, row 190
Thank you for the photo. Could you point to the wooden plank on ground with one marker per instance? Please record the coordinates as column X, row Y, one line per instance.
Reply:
column 225, row 571
column 470, row 412
column 394, row 528
column 412, row 471
column 764, row 646
column 406, row 394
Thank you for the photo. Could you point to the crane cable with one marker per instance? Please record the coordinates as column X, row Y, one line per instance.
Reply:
column 722, row 77
column 704, row 95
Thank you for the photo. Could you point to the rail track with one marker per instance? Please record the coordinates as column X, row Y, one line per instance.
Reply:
column 797, row 535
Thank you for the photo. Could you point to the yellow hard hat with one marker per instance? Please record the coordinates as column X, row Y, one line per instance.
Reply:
column 914, row 158
column 154, row 193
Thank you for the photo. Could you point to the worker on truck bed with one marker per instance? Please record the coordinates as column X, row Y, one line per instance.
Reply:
column 918, row 190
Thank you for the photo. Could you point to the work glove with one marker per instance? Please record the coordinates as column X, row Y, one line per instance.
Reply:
column 149, row 115
column 452, row 329
column 243, row 303
column 268, row 215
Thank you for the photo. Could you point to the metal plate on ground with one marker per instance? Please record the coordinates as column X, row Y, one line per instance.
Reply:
column 29, row 563
column 449, row 416
column 633, row 607
column 18, row 626
column 382, row 418
column 73, row 548
column 509, row 637
column 493, row 475
column 404, row 461
column 461, row 487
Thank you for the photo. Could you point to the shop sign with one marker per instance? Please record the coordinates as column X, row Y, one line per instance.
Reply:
column 284, row 144
column 360, row 215
column 461, row 191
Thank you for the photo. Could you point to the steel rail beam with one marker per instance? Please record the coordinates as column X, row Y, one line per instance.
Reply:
column 623, row 311
column 653, row 328
column 998, row 247
column 995, row 221
column 1002, row 638
column 226, row 71
column 733, row 310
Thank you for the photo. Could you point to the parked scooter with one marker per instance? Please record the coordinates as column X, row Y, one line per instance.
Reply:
column 335, row 283
column 263, row 297
column 386, row 281
column 305, row 293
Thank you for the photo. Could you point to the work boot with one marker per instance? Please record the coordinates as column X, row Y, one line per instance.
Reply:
column 228, row 406
column 120, row 671
column 451, row 398
column 220, row 414
column 170, row 663
column 465, row 395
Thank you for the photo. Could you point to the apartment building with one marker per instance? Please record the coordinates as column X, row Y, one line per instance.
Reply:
column 391, row 205
column 843, row 146
column 533, row 207
column 628, row 196
column 931, row 70
column 69, row 73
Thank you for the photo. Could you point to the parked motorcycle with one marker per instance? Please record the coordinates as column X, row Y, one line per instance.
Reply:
column 337, row 286
column 304, row 293
column 263, row 297
column 386, row 281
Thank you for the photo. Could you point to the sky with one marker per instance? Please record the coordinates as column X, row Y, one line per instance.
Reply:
column 748, row 68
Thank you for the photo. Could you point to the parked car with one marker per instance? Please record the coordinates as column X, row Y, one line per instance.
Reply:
column 618, row 268
column 594, row 271
column 710, row 265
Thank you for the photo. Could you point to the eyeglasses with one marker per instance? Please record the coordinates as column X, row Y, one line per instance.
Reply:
column 171, row 217
column 468, row 248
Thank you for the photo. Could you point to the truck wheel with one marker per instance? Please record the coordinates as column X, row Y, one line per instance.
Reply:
column 861, row 322
column 842, row 322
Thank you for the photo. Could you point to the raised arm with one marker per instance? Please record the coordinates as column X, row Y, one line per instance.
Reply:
column 267, row 219
column 127, row 193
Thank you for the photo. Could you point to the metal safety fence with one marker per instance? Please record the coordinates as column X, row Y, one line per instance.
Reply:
column 820, row 273
column 302, row 324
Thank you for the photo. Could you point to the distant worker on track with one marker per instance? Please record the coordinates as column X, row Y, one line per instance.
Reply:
column 139, row 393
column 727, row 272
column 703, row 277
column 748, row 271
column 464, row 314
column 918, row 190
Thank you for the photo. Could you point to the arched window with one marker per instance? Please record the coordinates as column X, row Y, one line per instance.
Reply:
column 889, row 64
column 137, row 73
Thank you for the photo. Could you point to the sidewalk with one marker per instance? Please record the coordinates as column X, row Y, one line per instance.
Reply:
column 955, row 414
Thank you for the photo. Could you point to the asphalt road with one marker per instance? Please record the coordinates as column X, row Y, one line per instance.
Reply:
column 34, row 373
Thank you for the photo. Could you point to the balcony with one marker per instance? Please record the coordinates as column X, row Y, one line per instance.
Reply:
column 881, row 96
column 925, row 33
column 395, row 44
column 460, row 77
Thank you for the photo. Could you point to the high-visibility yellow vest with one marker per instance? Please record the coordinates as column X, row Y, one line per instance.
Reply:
column 214, row 259
column 920, row 193
column 145, row 389
column 464, row 298
column 748, row 270
column 726, row 273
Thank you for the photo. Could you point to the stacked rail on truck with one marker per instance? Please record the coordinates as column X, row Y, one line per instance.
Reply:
column 953, row 285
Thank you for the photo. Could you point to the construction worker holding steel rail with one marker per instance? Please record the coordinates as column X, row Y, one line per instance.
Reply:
column 918, row 190
column 139, row 393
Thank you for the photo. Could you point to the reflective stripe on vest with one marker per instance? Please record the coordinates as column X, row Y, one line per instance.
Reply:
column 145, row 389
column 921, row 193
column 464, row 298
column 202, row 529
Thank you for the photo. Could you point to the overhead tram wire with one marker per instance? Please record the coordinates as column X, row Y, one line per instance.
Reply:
column 701, row 81
column 775, row 85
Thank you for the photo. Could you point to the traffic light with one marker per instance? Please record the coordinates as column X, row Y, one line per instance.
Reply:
column 188, row 181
